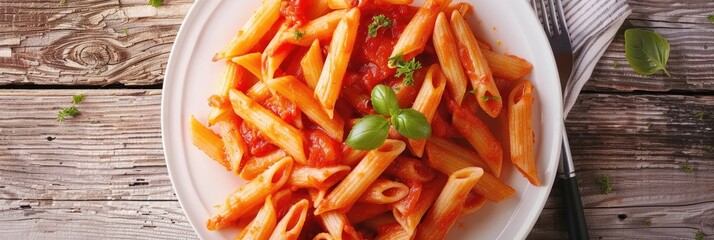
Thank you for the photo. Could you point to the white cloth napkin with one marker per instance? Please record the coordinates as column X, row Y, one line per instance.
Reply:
column 592, row 25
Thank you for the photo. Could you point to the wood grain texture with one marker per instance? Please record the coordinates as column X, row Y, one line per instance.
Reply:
column 112, row 151
column 46, row 219
column 88, row 42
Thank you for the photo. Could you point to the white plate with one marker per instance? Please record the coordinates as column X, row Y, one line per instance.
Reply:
column 191, row 77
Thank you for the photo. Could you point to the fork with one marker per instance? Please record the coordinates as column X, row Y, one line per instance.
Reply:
column 551, row 15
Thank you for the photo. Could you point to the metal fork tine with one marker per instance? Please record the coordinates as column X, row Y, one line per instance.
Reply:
column 554, row 17
column 561, row 16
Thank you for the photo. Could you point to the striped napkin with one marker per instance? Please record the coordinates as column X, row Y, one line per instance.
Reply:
column 592, row 25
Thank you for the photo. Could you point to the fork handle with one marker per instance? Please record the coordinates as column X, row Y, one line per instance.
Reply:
column 577, row 227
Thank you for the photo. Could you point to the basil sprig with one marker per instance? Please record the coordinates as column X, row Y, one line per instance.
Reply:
column 646, row 51
column 371, row 131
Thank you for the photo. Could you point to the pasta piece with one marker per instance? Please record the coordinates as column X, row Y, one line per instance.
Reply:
column 410, row 220
column 381, row 222
column 448, row 161
column 235, row 146
column 484, row 46
column 251, row 194
column 363, row 211
column 259, row 92
column 449, row 204
column 408, row 203
column 290, row 225
column 300, row 94
column 320, row 178
column 449, row 152
column 230, row 79
column 426, row 103
column 263, row 224
column 317, row 9
column 328, row 86
column 207, row 141
column 358, row 180
column 407, row 168
column 506, row 66
column 353, row 156
column 250, row 62
column 249, row 35
column 414, row 37
column 275, row 53
column 445, row 46
column 473, row 203
column 317, row 196
column 254, row 166
column 520, row 114
column 336, row 223
column 396, row 2
column 311, row 64
column 273, row 128
column 480, row 137
column 464, row 8
column 393, row 233
column 323, row 236
column 476, row 67
column 321, row 28
column 383, row 191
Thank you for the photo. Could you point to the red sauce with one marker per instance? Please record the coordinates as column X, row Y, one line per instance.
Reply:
column 295, row 11
column 371, row 54
column 259, row 146
column 323, row 151
column 473, row 199
column 410, row 201
column 283, row 108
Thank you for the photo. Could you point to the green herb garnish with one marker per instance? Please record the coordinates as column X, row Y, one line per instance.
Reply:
column 604, row 183
column 64, row 113
column 405, row 68
column 699, row 235
column 63, row 2
column 648, row 222
column 646, row 51
column 711, row 18
column 372, row 130
column 685, row 167
column 76, row 99
column 298, row 34
column 699, row 115
column 378, row 22
column 156, row 3
column 486, row 98
column 616, row 64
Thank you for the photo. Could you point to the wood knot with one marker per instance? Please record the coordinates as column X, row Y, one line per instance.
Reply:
column 84, row 52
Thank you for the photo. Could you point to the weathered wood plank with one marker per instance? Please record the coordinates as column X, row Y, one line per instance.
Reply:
column 671, row 222
column 111, row 151
column 87, row 42
column 46, row 219
column 83, row 43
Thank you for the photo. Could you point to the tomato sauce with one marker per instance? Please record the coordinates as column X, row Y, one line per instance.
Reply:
column 323, row 151
column 295, row 11
column 255, row 140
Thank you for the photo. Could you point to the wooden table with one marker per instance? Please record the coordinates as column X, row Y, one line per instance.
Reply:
column 103, row 175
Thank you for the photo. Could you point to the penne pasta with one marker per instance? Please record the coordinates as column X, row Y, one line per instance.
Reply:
column 235, row 146
column 263, row 224
column 290, row 225
column 230, row 79
column 506, row 66
column 328, row 86
column 426, row 102
column 341, row 4
column 336, row 223
column 317, row 196
column 445, row 46
column 474, row 202
column 311, row 64
column 520, row 114
column 464, row 8
column 323, row 236
column 448, row 161
column 317, row 9
column 358, row 180
column 480, row 137
column 476, row 67
column 258, row 92
column 407, row 168
column 393, row 233
column 275, row 53
column 414, row 37
column 449, row 204
column 353, row 156
column 250, row 62
column 449, row 152
column 383, row 191
column 251, row 194
column 320, row 178
column 301, row 95
column 321, row 28
column 207, row 141
column 409, row 220
column 396, row 2
column 363, row 211
column 275, row 129
column 254, row 166
column 249, row 35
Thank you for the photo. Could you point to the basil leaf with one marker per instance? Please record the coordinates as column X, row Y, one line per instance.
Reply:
column 646, row 51
column 369, row 133
column 411, row 124
column 384, row 100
